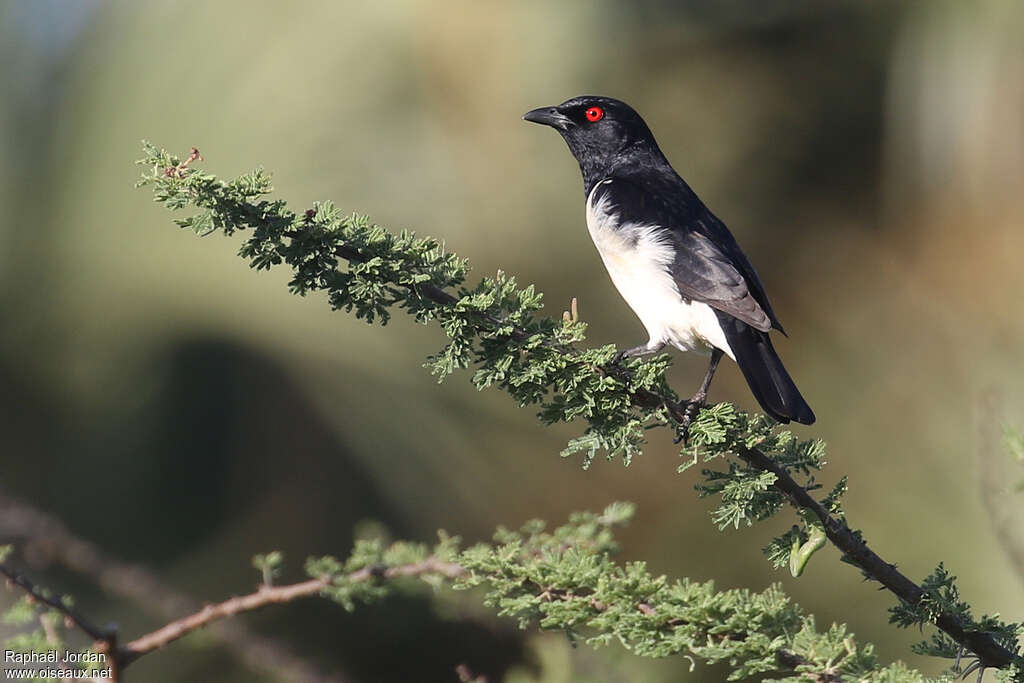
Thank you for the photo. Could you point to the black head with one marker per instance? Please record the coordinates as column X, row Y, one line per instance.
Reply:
column 598, row 130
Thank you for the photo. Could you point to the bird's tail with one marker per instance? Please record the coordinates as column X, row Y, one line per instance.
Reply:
column 761, row 366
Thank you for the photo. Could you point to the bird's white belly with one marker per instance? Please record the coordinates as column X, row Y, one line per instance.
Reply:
column 638, row 262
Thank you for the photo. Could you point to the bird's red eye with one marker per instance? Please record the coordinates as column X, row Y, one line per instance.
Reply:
column 595, row 114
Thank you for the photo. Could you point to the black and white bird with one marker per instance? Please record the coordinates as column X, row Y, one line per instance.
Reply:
column 672, row 260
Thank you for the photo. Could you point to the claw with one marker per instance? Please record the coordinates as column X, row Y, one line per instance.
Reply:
column 641, row 350
column 689, row 415
column 975, row 666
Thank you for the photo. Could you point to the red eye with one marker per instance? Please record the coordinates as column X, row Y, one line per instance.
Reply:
column 595, row 114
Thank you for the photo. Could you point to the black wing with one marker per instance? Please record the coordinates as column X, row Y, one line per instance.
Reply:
column 709, row 266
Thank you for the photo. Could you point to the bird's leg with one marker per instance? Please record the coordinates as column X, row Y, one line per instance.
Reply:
column 699, row 398
column 702, row 394
column 642, row 350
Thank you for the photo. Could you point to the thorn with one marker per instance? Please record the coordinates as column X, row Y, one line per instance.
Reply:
column 573, row 314
column 179, row 170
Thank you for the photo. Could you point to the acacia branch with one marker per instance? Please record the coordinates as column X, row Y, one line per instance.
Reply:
column 211, row 613
column 105, row 640
column 272, row 222
column 270, row 595
column 267, row 595
column 857, row 552
column 855, row 549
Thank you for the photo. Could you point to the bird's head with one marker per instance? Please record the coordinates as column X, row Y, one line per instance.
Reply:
column 597, row 129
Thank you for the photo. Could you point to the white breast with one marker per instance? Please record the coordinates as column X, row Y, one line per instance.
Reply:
column 638, row 259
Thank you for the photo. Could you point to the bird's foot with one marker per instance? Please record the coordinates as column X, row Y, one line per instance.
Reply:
column 975, row 666
column 692, row 407
column 628, row 353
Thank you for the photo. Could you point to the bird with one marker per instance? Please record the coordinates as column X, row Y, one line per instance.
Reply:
column 673, row 261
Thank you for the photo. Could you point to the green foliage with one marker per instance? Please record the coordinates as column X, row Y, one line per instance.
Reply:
column 21, row 612
column 269, row 565
column 494, row 327
column 566, row 580
column 722, row 434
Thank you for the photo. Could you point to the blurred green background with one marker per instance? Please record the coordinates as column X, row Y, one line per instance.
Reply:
column 182, row 412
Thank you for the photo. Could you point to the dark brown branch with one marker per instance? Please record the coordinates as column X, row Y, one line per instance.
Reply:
column 104, row 639
column 857, row 552
column 100, row 635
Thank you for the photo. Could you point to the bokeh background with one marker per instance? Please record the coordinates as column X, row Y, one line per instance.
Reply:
column 174, row 410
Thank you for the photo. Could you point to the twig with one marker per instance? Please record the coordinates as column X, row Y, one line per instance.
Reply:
column 104, row 639
column 274, row 595
column 210, row 613
column 100, row 635
column 178, row 171
column 121, row 656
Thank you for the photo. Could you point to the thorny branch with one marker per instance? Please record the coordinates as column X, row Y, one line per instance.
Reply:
column 265, row 595
column 269, row 595
column 989, row 651
column 122, row 656
column 855, row 550
column 104, row 638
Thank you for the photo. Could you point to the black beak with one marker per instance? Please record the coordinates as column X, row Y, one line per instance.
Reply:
column 548, row 116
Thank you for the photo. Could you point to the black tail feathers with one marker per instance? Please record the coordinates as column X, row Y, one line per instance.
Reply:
column 770, row 383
